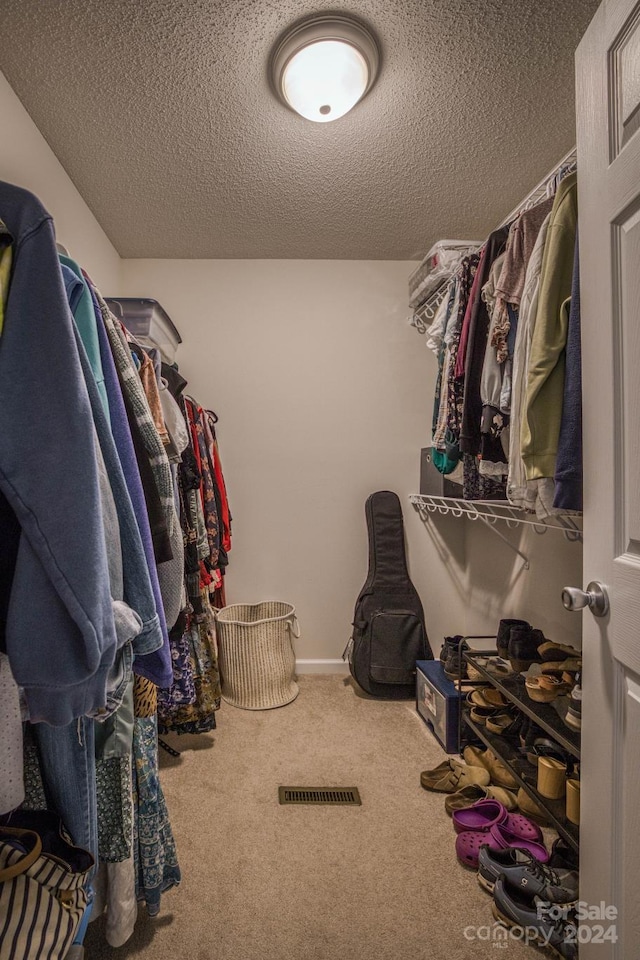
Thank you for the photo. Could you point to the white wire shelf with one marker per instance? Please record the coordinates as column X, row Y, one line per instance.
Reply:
column 424, row 315
column 489, row 512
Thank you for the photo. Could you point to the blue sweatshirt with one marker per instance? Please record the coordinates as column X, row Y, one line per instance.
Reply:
column 60, row 632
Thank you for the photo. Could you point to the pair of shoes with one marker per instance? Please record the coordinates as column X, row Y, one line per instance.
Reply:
column 494, row 664
column 482, row 815
column 488, row 822
column 454, row 662
column 498, row 771
column 488, row 697
column 487, row 707
column 517, row 909
column 498, row 837
column 519, row 869
column 574, row 713
column 468, row 796
column 504, row 635
column 449, row 645
column 451, row 776
column 546, row 687
column 518, row 642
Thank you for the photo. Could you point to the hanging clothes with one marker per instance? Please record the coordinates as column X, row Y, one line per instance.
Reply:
column 95, row 509
column 568, row 476
column 545, row 378
column 48, row 474
column 510, row 284
column 495, row 419
column 470, row 433
column 520, row 492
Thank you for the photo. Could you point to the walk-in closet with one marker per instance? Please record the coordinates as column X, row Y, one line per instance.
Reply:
column 319, row 472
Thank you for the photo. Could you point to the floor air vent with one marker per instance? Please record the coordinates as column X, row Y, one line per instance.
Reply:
column 326, row 795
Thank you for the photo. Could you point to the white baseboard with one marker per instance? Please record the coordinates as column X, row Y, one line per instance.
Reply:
column 322, row 666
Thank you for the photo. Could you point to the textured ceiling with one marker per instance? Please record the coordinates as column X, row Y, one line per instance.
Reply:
column 161, row 113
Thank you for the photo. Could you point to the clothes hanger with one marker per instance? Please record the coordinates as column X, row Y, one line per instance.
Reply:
column 60, row 247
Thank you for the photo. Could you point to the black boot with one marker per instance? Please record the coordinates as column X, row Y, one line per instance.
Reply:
column 504, row 632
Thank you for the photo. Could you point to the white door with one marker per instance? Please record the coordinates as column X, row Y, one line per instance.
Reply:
column 608, row 137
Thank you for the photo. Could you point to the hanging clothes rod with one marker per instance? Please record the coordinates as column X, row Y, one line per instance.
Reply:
column 422, row 318
column 541, row 191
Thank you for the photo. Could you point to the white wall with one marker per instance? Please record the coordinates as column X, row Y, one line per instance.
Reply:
column 26, row 159
column 499, row 586
column 324, row 395
column 323, row 398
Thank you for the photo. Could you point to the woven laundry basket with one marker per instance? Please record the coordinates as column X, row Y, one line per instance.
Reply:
column 255, row 654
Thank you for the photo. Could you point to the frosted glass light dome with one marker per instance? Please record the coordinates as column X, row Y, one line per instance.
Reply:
column 325, row 80
column 322, row 67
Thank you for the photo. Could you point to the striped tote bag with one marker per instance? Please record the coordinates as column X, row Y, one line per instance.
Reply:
column 43, row 888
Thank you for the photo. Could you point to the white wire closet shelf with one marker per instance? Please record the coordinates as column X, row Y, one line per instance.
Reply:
column 423, row 316
column 489, row 512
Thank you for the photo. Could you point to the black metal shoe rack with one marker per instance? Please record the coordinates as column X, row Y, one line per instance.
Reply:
column 512, row 686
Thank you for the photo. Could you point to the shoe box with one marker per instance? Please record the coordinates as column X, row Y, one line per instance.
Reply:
column 438, row 703
column 434, row 483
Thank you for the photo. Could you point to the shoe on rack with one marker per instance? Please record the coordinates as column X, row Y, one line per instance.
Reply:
column 521, row 870
column 504, row 634
column 549, row 650
column 546, row 687
column 450, row 644
column 469, row 795
column 513, row 909
column 511, row 730
column 501, row 776
column 529, row 733
column 505, row 724
column 558, row 667
column 574, row 713
column 493, row 664
column 455, row 666
column 481, row 715
column 523, row 647
column 488, row 697
column 451, row 776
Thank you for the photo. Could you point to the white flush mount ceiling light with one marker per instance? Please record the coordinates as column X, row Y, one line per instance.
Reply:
column 323, row 66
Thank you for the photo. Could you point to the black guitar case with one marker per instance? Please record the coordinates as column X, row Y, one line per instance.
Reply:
column 389, row 634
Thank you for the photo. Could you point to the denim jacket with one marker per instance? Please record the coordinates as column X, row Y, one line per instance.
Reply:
column 60, row 631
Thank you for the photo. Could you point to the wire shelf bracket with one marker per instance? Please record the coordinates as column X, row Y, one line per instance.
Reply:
column 489, row 512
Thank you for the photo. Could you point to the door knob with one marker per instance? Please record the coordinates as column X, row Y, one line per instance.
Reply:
column 594, row 597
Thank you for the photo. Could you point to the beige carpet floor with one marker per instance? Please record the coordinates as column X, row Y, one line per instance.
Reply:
column 268, row 882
